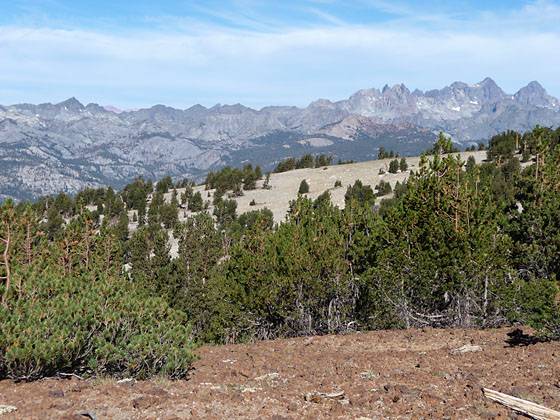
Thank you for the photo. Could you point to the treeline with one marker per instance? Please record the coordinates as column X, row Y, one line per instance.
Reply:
column 234, row 179
column 458, row 245
column 306, row 161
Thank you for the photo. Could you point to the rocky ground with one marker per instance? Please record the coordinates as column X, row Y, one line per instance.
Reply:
column 384, row 374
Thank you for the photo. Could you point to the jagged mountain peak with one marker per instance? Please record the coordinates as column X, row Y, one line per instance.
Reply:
column 197, row 108
column 488, row 81
column 321, row 103
column 231, row 109
column 534, row 94
column 95, row 108
column 399, row 90
column 490, row 90
column 459, row 85
column 71, row 104
column 533, row 88
column 535, row 85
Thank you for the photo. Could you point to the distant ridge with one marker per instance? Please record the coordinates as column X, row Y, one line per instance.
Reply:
column 66, row 146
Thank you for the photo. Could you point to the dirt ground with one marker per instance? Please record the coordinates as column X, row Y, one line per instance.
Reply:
column 385, row 374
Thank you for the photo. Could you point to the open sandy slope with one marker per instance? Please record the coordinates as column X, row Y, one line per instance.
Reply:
column 405, row 374
column 285, row 185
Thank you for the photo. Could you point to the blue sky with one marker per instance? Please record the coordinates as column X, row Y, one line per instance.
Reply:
column 138, row 53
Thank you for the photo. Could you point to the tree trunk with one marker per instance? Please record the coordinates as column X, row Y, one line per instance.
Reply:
column 6, row 264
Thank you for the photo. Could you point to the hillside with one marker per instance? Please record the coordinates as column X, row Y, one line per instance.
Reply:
column 384, row 374
column 284, row 186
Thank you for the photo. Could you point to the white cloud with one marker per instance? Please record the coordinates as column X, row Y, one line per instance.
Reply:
column 287, row 65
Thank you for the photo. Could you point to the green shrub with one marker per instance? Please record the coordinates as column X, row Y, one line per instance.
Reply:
column 303, row 187
column 92, row 324
column 362, row 194
column 383, row 188
column 533, row 303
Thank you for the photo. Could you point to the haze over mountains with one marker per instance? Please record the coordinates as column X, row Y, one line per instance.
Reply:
column 67, row 146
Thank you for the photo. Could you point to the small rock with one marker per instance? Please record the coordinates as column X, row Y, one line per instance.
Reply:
column 268, row 376
column 56, row 393
column 369, row 375
column 88, row 414
column 126, row 381
column 5, row 409
column 249, row 389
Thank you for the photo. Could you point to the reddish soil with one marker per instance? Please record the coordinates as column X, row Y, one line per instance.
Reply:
column 385, row 374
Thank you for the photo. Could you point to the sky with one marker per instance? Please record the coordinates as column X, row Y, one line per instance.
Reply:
column 133, row 54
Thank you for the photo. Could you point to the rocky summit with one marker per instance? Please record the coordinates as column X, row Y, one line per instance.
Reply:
column 67, row 146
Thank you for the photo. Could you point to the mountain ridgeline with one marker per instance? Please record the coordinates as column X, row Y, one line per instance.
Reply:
column 48, row 148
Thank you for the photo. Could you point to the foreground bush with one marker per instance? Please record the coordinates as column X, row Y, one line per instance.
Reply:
column 91, row 324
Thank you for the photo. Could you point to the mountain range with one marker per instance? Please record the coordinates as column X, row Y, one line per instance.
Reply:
column 48, row 148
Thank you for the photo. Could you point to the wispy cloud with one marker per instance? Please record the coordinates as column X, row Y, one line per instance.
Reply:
column 251, row 57
column 325, row 16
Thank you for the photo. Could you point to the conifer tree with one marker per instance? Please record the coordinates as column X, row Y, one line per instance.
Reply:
column 303, row 187
column 195, row 203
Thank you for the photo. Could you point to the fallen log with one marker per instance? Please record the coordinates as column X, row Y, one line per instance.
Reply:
column 528, row 408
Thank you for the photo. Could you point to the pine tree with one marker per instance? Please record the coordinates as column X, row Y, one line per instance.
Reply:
column 195, row 203
column 303, row 187
column 394, row 166
column 200, row 248
column 266, row 183
column 122, row 227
